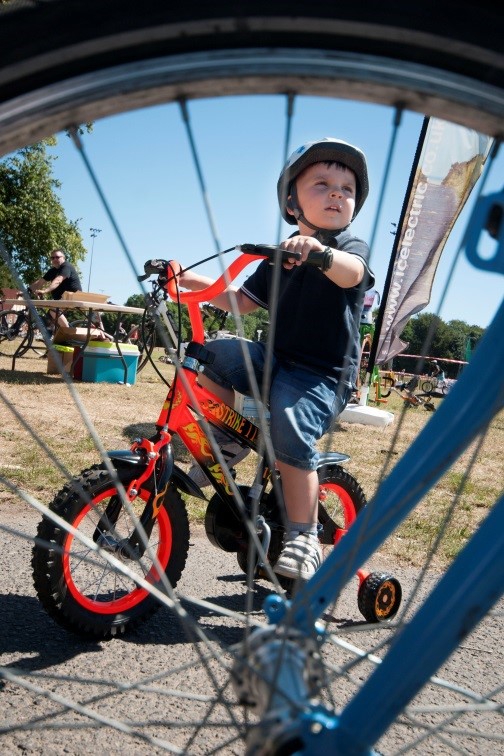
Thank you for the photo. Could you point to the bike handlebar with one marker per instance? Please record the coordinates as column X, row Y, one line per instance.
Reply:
column 168, row 272
column 322, row 260
column 165, row 271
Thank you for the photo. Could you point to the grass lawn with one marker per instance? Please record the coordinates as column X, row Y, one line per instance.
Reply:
column 34, row 404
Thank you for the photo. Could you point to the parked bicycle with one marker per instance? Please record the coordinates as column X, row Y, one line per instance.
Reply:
column 146, row 524
column 19, row 323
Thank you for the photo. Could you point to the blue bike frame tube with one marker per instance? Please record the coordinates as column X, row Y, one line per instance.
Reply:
column 474, row 582
column 455, row 424
column 457, row 421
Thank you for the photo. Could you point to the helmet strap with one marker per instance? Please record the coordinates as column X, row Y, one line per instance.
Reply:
column 296, row 209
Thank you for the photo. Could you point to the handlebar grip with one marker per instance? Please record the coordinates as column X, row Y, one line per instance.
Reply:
column 269, row 251
column 322, row 260
column 153, row 268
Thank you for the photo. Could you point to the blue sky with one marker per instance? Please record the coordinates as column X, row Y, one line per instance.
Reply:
column 144, row 164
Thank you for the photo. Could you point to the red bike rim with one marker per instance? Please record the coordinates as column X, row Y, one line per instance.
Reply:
column 138, row 594
column 347, row 505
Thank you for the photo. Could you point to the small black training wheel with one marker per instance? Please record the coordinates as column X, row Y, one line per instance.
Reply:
column 379, row 597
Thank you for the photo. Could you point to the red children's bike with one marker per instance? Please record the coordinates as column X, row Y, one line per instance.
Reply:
column 119, row 533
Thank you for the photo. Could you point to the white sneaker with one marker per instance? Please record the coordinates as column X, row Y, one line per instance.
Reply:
column 233, row 452
column 300, row 558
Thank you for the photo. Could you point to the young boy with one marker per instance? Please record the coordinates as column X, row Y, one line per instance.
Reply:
column 321, row 189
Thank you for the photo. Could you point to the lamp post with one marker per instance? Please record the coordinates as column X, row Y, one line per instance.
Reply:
column 94, row 234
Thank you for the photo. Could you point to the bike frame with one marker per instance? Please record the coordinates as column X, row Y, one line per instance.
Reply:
column 186, row 405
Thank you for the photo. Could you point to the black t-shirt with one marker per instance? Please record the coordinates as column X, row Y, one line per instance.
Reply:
column 317, row 320
column 71, row 282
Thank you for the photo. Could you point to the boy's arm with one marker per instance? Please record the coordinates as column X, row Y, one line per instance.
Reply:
column 197, row 282
column 346, row 270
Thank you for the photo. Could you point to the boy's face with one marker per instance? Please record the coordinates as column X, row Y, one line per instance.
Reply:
column 326, row 194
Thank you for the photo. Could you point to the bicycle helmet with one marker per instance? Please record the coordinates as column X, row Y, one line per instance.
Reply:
column 323, row 150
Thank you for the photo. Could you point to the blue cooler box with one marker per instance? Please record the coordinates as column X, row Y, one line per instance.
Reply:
column 103, row 363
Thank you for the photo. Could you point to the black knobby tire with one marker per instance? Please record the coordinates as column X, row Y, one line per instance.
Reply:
column 438, row 57
column 379, row 597
column 344, row 499
column 7, row 319
column 76, row 585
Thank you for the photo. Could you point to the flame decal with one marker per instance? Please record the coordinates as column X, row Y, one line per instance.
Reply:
column 156, row 504
column 176, row 401
column 197, row 437
column 218, row 474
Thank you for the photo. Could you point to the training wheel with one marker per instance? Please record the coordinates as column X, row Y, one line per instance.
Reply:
column 379, row 597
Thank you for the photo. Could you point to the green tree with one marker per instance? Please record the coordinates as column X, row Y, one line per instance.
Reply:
column 256, row 325
column 32, row 219
column 447, row 340
column 138, row 300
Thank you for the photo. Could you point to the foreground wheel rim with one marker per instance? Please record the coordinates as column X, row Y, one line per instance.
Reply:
column 87, row 586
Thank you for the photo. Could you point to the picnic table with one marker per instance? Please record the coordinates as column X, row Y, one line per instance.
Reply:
column 88, row 309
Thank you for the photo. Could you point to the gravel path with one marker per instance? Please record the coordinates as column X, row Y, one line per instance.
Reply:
column 131, row 680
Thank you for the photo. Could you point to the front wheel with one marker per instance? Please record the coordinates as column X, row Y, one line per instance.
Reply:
column 77, row 585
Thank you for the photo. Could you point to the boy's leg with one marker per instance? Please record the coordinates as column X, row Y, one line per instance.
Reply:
column 302, row 406
column 300, row 490
column 301, row 555
column 226, row 394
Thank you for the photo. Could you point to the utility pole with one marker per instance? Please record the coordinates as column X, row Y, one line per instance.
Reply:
column 94, row 234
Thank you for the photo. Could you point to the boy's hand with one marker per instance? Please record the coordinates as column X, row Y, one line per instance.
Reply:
column 302, row 244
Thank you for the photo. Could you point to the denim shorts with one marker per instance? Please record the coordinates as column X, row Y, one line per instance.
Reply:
column 302, row 404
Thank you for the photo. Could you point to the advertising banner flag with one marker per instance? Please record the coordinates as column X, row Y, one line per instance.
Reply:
column 449, row 162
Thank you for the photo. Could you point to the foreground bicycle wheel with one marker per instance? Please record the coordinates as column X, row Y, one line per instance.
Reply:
column 80, row 61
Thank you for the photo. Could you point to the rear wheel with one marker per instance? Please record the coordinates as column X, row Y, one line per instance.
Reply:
column 77, row 585
column 340, row 500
